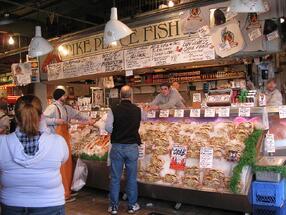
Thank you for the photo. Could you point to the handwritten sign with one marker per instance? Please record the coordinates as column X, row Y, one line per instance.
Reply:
column 223, row 112
column 179, row 113
column 178, row 157
column 164, row 113
column 113, row 61
column 128, row 73
column 195, row 113
column 282, row 112
column 210, row 112
column 138, row 58
column 151, row 114
column 197, row 97
column 206, row 157
column 204, row 31
column 55, row 71
column 270, row 143
column 255, row 34
column 141, row 149
column 244, row 112
column 272, row 36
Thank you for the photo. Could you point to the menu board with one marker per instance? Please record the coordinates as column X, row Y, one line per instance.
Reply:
column 92, row 65
column 138, row 58
column 55, row 71
column 166, row 53
column 196, row 49
column 113, row 61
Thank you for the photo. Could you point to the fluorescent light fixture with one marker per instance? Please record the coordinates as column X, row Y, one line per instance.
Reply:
column 114, row 29
column 11, row 41
column 171, row 3
column 247, row 6
column 38, row 45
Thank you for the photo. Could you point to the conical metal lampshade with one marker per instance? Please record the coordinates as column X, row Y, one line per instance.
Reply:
column 38, row 45
column 114, row 29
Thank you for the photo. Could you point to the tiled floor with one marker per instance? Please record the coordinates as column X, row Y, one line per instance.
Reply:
column 94, row 202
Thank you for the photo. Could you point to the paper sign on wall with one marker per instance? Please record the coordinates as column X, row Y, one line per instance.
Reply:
column 269, row 143
column 206, row 157
column 178, row 157
column 255, row 34
column 197, row 97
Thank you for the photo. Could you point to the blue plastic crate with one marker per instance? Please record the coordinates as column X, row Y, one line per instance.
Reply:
column 268, row 210
column 268, row 193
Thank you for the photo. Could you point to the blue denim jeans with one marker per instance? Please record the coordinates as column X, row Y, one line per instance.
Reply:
column 12, row 210
column 120, row 155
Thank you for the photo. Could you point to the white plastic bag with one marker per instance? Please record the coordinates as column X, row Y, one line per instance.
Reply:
column 79, row 176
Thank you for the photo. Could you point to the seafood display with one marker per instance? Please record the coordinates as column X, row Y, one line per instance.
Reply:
column 226, row 138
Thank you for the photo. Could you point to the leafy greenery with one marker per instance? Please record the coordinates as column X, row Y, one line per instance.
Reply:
column 94, row 157
column 248, row 158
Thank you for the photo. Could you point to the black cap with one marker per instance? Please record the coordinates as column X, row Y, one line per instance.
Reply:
column 58, row 93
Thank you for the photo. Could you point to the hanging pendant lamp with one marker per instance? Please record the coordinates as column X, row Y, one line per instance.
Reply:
column 39, row 46
column 247, row 6
column 114, row 29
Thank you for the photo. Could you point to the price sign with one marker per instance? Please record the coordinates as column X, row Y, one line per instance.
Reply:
column 128, row 73
column 195, row 113
column 141, row 149
column 223, row 112
column 269, row 143
column 164, row 113
column 282, row 112
column 255, row 34
column 197, row 97
column 151, row 114
column 209, row 112
column 244, row 112
column 179, row 113
column 272, row 36
column 178, row 157
column 206, row 157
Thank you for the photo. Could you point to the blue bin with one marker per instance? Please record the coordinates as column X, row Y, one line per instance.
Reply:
column 268, row 210
column 268, row 193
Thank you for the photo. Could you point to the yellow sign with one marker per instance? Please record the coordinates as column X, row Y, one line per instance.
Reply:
column 142, row 35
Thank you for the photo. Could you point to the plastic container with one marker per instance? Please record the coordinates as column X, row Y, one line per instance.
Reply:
column 267, row 210
column 268, row 193
column 268, row 176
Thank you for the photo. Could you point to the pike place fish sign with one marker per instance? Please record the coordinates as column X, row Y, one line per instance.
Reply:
column 152, row 33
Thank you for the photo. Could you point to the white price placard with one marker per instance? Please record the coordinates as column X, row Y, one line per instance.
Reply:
column 255, row 34
column 151, row 114
column 204, row 31
column 128, row 73
column 195, row 113
column 223, row 112
column 269, row 143
column 244, row 112
column 210, row 112
column 141, row 150
column 206, row 157
column 164, row 113
column 282, row 112
column 179, row 113
column 197, row 97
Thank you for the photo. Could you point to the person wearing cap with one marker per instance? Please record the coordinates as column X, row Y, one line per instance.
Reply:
column 169, row 98
column 273, row 95
column 57, row 115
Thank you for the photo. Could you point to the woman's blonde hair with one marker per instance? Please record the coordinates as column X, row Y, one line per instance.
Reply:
column 28, row 111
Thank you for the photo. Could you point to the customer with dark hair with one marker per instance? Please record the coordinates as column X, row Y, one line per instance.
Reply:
column 4, row 118
column 168, row 98
column 30, row 161
column 123, row 122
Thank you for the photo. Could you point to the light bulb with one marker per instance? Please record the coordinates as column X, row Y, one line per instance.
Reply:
column 171, row 3
column 63, row 50
column 113, row 44
column 282, row 20
column 11, row 41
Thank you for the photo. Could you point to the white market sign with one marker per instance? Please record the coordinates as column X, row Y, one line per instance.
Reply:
column 167, row 53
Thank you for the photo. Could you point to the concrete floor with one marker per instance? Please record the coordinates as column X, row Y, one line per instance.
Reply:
column 95, row 202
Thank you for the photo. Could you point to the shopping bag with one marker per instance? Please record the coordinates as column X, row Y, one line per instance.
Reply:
column 80, row 175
